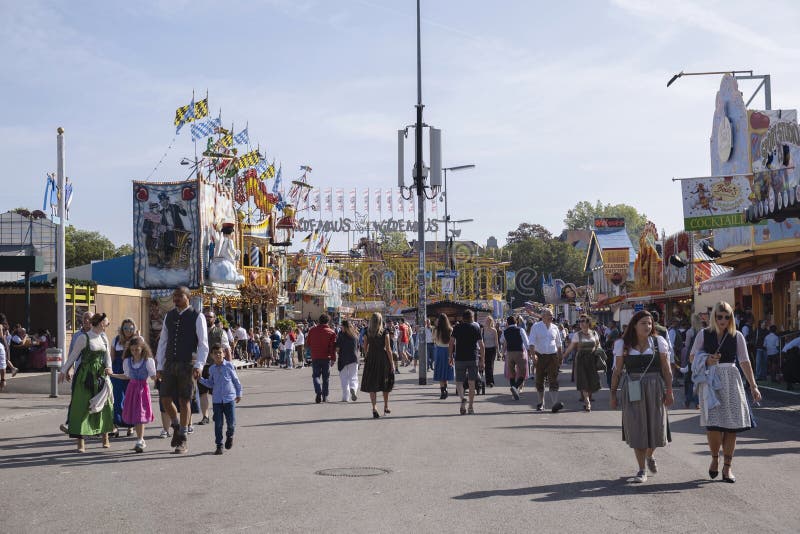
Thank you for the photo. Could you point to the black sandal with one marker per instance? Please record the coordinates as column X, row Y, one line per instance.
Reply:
column 711, row 473
column 375, row 414
column 729, row 479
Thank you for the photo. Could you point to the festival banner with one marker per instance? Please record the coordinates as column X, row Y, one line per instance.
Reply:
column 316, row 199
column 340, row 201
column 677, row 278
column 166, row 235
column 328, row 200
column 715, row 202
column 389, row 195
column 378, row 197
column 366, row 200
column 434, row 204
column 353, row 195
column 410, row 205
column 401, row 207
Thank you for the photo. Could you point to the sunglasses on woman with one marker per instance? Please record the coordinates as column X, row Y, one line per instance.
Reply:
column 723, row 317
column 583, row 320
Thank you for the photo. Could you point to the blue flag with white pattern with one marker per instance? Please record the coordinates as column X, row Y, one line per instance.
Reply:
column 204, row 129
column 242, row 138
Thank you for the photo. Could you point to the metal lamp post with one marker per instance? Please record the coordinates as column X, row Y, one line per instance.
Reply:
column 420, row 174
column 739, row 75
column 446, row 214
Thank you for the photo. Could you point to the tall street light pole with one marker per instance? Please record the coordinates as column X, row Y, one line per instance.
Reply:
column 419, row 182
column 420, row 173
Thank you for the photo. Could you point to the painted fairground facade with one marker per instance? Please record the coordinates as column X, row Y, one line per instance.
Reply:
column 754, row 176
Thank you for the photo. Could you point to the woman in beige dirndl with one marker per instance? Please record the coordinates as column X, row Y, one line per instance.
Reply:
column 646, row 392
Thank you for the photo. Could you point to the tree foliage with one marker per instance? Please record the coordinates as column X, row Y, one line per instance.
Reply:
column 83, row 247
column 527, row 231
column 583, row 214
column 540, row 257
column 394, row 242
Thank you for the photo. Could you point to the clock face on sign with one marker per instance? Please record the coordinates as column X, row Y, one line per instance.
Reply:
column 724, row 139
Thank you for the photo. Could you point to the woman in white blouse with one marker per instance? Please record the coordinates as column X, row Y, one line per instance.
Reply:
column 93, row 349
column 647, row 390
column 723, row 406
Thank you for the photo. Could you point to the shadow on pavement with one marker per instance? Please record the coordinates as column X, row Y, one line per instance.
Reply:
column 94, row 455
column 587, row 489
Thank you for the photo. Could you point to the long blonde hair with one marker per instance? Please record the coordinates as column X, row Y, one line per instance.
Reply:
column 375, row 325
column 723, row 307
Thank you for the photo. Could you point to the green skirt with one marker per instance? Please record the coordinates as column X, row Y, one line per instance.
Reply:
column 87, row 385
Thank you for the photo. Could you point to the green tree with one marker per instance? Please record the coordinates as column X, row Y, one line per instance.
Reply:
column 82, row 247
column 583, row 214
column 123, row 250
column 527, row 231
column 394, row 242
column 534, row 258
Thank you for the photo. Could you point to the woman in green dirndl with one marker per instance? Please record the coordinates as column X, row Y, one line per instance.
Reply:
column 90, row 378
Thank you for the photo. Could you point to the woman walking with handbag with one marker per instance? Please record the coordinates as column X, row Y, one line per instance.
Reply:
column 587, row 342
column 647, row 391
column 723, row 406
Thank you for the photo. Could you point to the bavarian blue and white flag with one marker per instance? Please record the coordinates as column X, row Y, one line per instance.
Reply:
column 276, row 186
column 261, row 166
column 242, row 138
column 204, row 129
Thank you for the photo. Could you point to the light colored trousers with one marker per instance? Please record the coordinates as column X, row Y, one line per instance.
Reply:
column 349, row 378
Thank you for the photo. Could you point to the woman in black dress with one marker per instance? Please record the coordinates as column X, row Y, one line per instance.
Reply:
column 378, row 364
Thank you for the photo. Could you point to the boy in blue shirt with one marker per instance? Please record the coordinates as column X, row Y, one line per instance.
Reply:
column 226, row 390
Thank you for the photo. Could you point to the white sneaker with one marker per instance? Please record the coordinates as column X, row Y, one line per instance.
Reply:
column 140, row 445
column 640, row 477
column 164, row 434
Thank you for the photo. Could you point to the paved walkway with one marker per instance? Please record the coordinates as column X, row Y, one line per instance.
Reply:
column 505, row 469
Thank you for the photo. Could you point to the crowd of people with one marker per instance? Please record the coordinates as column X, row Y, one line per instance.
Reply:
column 193, row 370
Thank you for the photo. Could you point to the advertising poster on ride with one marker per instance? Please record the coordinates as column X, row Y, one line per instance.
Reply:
column 166, row 232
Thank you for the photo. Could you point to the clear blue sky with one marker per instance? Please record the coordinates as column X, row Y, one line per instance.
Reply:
column 555, row 102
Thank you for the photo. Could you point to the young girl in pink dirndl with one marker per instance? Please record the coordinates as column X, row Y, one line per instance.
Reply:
column 138, row 365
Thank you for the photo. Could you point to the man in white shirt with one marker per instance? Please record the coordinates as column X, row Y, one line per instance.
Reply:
column 299, row 347
column 545, row 338
column 240, row 341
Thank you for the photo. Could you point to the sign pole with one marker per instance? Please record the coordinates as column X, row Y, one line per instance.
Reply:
column 61, row 292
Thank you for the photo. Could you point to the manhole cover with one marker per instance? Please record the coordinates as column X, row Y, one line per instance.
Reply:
column 353, row 472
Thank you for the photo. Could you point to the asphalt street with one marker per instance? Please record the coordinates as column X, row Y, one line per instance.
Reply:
column 505, row 469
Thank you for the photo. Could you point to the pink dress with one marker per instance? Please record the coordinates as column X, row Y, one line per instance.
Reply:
column 138, row 408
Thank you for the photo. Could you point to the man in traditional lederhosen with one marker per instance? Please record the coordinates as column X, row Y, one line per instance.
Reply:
column 182, row 352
